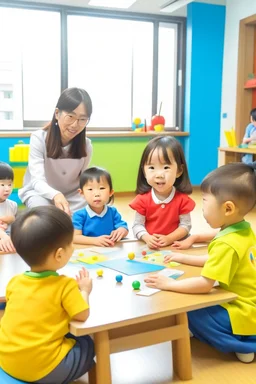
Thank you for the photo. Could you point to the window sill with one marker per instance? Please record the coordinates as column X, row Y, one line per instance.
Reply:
column 99, row 134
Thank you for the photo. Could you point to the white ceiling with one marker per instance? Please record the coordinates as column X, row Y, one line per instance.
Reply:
column 144, row 6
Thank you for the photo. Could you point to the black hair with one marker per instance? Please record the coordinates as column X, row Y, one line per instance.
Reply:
column 164, row 143
column 253, row 114
column 37, row 232
column 96, row 173
column 69, row 100
column 235, row 182
column 6, row 171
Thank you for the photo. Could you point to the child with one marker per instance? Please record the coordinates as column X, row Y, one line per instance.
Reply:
column 97, row 223
column 162, row 205
column 250, row 135
column 8, row 208
column 34, row 345
column 229, row 193
column 196, row 238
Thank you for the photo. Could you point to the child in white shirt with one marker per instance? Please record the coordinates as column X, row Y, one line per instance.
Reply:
column 8, row 208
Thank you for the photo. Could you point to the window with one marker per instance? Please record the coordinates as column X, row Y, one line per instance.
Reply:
column 29, row 65
column 112, row 68
column 128, row 63
column 167, row 72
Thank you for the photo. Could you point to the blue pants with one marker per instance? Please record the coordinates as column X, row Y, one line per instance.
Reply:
column 212, row 326
column 77, row 362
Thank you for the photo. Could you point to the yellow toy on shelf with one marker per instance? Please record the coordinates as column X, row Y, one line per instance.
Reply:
column 18, row 159
column 19, row 153
column 231, row 137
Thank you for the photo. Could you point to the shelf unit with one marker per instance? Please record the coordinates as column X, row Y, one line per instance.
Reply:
column 246, row 90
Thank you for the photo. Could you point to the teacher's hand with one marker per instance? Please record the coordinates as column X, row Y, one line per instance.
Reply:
column 61, row 203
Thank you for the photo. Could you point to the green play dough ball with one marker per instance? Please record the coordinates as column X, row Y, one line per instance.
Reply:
column 136, row 284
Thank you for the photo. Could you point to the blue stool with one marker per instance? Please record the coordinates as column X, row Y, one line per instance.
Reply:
column 6, row 379
column 2, row 305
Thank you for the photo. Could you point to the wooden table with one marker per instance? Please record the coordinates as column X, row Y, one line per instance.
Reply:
column 233, row 154
column 120, row 320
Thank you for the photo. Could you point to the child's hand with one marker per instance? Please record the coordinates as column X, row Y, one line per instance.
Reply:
column 103, row 241
column 151, row 241
column 183, row 244
column 84, row 281
column 159, row 281
column 118, row 234
column 178, row 257
column 6, row 245
column 3, row 225
column 163, row 240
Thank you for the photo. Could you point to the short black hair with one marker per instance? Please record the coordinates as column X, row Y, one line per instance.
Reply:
column 253, row 114
column 235, row 182
column 6, row 171
column 164, row 143
column 37, row 232
column 96, row 173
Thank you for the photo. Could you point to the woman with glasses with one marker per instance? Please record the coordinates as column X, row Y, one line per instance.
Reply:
column 59, row 153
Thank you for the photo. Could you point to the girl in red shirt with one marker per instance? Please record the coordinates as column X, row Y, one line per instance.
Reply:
column 162, row 205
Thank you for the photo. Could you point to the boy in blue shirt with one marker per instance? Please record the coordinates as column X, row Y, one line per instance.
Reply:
column 97, row 223
column 249, row 136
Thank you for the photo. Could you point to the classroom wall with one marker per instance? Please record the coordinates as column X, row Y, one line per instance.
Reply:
column 235, row 11
column 204, row 58
column 121, row 156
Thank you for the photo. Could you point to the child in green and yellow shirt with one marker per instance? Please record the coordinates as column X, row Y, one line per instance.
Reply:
column 229, row 193
column 34, row 342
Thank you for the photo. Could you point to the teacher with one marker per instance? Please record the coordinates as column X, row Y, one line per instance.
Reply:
column 59, row 153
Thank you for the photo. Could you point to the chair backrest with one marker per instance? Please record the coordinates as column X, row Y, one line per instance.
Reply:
column 6, row 379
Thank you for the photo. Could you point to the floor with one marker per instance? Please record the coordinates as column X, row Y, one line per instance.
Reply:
column 153, row 365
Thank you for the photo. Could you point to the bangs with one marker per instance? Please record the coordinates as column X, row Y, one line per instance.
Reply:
column 163, row 155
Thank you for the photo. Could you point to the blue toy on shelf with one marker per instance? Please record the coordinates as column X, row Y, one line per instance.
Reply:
column 6, row 379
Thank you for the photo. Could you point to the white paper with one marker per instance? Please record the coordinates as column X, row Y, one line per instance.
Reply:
column 147, row 291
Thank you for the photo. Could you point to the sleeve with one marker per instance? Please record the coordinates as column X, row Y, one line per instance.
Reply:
column 9, row 287
column 36, row 166
column 185, row 222
column 247, row 132
column 187, row 205
column 89, row 154
column 13, row 207
column 222, row 263
column 78, row 219
column 138, row 204
column 72, row 300
column 139, row 226
column 118, row 222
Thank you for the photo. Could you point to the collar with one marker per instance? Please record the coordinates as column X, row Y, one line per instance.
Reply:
column 40, row 275
column 91, row 213
column 167, row 200
column 233, row 228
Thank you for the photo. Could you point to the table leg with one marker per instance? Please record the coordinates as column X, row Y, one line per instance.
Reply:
column 181, row 351
column 92, row 375
column 102, row 349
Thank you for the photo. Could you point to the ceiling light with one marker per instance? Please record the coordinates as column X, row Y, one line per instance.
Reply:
column 174, row 5
column 112, row 3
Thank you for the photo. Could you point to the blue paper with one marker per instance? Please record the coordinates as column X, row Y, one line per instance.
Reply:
column 131, row 267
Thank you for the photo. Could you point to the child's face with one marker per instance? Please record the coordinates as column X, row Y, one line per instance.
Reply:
column 97, row 194
column 213, row 211
column 6, row 187
column 160, row 175
column 66, row 254
column 253, row 122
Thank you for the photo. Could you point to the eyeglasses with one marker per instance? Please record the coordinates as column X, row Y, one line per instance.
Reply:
column 70, row 119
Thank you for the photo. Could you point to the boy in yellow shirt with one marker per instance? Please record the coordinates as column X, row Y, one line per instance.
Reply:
column 229, row 193
column 34, row 342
